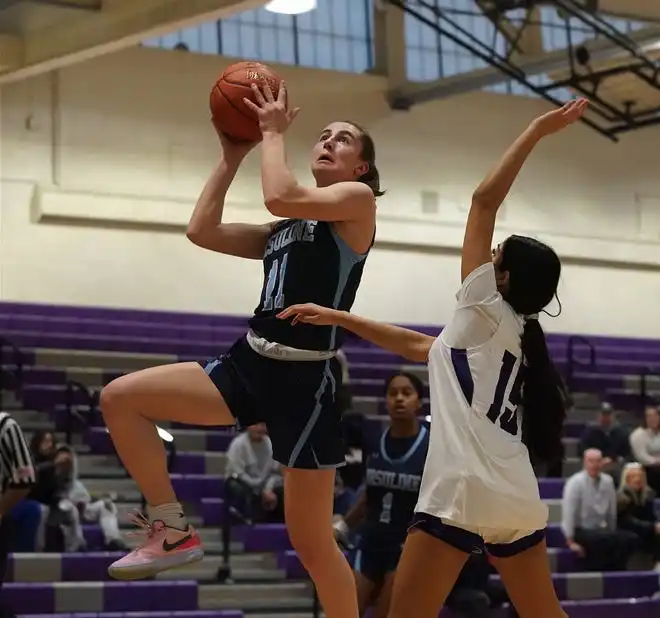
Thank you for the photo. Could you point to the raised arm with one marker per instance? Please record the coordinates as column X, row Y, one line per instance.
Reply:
column 206, row 229
column 491, row 193
column 402, row 341
column 283, row 196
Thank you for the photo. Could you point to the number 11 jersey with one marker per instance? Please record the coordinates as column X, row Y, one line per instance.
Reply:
column 306, row 262
column 478, row 471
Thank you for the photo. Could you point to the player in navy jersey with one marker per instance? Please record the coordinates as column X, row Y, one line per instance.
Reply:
column 479, row 492
column 384, row 508
column 278, row 374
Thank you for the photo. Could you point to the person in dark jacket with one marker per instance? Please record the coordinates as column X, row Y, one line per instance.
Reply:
column 636, row 512
column 610, row 438
column 46, row 488
column 59, row 516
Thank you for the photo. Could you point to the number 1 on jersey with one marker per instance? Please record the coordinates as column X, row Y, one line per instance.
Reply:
column 276, row 278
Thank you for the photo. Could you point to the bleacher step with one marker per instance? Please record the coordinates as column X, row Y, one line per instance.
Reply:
column 295, row 595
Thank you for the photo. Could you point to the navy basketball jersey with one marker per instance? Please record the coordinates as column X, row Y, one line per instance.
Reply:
column 306, row 262
column 393, row 476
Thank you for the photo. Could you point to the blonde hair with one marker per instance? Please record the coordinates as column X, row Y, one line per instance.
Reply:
column 628, row 468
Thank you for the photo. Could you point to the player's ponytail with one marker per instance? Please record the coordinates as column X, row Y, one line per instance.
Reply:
column 372, row 180
column 371, row 177
column 543, row 401
column 533, row 276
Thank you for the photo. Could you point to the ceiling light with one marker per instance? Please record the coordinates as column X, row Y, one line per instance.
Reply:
column 291, row 7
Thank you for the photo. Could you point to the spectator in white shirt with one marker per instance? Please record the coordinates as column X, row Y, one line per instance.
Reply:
column 645, row 445
column 254, row 480
column 589, row 518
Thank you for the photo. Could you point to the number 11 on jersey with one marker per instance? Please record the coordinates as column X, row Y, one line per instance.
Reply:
column 275, row 279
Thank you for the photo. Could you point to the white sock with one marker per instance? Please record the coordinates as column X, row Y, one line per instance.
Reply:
column 170, row 514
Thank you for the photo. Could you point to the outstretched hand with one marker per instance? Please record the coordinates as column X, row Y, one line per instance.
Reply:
column 558, row 119
column 309, row 313
column 274, row 114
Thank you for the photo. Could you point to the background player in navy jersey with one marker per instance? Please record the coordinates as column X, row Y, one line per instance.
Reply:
column 479, row 492
column 384, row 509
column 277, row 374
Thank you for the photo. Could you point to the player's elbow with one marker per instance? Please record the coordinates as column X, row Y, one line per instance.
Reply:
column 419, row 353
column 195, row 235
column 204, row 239
column 484, row 200
column 280, row 203
column 277, row 206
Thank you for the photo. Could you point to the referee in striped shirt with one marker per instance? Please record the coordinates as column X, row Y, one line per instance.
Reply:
column 16, row 479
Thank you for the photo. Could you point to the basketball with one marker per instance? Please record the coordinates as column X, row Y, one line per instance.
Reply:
column 230, row 113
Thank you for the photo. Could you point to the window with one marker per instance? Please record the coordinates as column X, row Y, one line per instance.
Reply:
column 337, row 36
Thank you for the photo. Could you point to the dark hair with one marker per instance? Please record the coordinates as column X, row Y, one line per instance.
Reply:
column 35, row 443
column 371, row 177
column 649, row 406
column 534, row 270
column 417, row 384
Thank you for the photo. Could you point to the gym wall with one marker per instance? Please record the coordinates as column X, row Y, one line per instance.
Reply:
column 101, row 165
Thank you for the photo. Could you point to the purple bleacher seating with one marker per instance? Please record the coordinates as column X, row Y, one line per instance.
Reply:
column 193, row 336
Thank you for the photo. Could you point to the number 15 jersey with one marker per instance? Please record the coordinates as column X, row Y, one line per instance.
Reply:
column 306, row 262
column 478, row 472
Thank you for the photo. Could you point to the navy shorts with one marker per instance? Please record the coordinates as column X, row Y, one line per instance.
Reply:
column 470, row 542
column 296, row 400
column 375, row 562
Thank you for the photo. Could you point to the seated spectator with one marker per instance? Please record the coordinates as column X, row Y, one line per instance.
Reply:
column 102, row 511
column 254, row 480
column 42, row 446
column 59, row 529
column 589, row 518
column 636, row 510
column 610, row 438
column 645, row 445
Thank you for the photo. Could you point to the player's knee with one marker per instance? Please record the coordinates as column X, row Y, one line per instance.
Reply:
column 312, row 546
column 114, row 396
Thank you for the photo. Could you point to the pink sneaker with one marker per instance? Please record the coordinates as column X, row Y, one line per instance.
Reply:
column 157, row 553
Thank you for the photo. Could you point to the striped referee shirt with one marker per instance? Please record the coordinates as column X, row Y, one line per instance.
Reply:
column 16, row 468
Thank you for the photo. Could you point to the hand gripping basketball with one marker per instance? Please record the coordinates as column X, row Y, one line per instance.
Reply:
column 274, row 114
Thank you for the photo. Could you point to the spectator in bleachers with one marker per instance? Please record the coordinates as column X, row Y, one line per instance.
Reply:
column 254, row 483
column 636, row 510
column 102, row 511
column 589, row 518
column 42, row 446
column 59, row 528
column 610, row 438
column 645, row 445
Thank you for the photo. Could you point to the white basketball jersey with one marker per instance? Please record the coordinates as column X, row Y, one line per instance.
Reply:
column 478, row 471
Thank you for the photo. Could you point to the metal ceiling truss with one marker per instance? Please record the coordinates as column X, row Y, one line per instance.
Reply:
column 609, row 118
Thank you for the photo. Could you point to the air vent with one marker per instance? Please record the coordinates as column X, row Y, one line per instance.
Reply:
column 430, row 202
